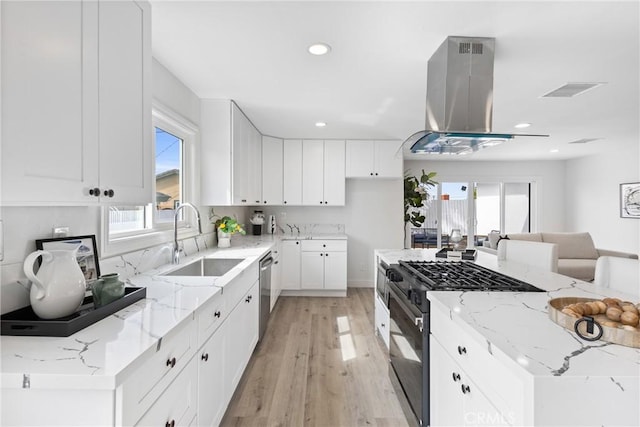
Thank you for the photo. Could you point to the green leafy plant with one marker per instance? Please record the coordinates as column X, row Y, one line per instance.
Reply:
column 416, row 191
column 226, row 224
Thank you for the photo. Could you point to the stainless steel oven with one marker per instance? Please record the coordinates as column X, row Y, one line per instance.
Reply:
column 409, row 351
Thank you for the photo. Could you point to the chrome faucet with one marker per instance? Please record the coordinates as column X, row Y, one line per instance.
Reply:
column 176, row 249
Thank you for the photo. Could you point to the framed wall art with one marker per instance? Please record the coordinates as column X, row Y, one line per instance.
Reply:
column 87, row 255
column 630, row 200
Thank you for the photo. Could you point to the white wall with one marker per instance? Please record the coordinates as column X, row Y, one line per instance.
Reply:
column 372, row 218
column 593, row 197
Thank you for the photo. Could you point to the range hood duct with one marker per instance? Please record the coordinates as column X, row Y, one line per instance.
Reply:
column 459, row 99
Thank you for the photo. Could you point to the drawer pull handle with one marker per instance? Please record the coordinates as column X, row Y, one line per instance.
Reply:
column 216, row 314
column 170, row 424
column 465, row 389
column 456, row 377
column 171, row 362
column 382, row 325
column 462, row 350
column 205, row 357
column 94, row 192
column 249, row 298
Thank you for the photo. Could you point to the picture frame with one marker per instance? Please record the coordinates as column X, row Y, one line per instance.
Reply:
column 630, row 200
column 87, row 255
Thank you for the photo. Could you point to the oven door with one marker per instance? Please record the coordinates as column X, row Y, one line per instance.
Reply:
column 408, row 352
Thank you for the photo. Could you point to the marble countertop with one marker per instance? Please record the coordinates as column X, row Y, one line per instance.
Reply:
column 101, row 355
column 516, row 327
column 307, row 236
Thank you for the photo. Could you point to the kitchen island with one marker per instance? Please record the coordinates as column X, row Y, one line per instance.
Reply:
column 497, row 358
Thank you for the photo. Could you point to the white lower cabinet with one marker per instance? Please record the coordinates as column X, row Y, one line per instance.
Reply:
column 290, row 265
column 212, row 401
column 382, row 320
column 242, row 337
column 177, row 405
column 324, row 265
column 455, row 400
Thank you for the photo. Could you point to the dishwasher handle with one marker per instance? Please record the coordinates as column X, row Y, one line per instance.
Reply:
column 266, row 263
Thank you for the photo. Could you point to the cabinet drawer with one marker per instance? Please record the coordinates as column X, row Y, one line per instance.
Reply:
column 324, row 245
column 501, row 386
column 147, row 383
column 235, row 290
column 210, row 317
column 177, row 405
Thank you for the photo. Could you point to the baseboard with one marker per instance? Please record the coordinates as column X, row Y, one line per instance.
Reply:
column 360, row 284
column 311, row 293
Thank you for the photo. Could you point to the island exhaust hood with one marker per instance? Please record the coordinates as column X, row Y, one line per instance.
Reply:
column 459, row 99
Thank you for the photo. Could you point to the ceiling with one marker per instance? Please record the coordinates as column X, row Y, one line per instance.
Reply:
column 373, row 83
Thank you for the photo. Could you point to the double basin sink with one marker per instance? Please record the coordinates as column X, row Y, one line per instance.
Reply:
column 206, row 267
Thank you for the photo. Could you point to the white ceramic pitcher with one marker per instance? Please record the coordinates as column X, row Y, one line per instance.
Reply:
column 59, row 287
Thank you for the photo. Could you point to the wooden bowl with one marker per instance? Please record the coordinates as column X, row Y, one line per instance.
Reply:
column 610, row 334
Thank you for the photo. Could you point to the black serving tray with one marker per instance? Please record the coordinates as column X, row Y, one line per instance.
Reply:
column 24, row 322
column 467, row 254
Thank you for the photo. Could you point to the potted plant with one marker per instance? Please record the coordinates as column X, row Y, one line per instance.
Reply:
column 226, row 226
column 416, row 191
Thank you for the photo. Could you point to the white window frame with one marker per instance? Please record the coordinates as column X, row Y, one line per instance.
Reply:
column 165, row 118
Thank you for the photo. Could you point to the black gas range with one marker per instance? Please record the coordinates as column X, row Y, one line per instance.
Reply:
column 409, row 282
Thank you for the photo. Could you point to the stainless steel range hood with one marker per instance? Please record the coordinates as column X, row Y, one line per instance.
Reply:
column 459, row 99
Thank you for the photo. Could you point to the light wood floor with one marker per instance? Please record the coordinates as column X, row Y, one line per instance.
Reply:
column 319, row 364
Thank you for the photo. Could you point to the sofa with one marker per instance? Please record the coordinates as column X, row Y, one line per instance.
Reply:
column 577, row 254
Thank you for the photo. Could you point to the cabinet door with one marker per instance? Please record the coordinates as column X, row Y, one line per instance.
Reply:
column 49, row 148
column 334, row 181
column 241, row 339
column 211, row 397
column 125, row 132
column 312, row 270
column 239, row 154
column 359, row 159
column 446, row 405
column 313, row 172
column 177, row 405
column 276, row 278
column 335, row 270
column 254, row 165
column 292, row 172
column 290, row 257
column 382, row 320
column 272, row 171
column 388, row 159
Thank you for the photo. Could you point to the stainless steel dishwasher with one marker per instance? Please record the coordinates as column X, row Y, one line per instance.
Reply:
column 265, row 292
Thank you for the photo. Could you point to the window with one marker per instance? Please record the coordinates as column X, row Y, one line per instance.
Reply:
column 134, row 227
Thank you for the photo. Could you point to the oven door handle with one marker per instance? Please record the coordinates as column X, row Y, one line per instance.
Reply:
column 417, row 320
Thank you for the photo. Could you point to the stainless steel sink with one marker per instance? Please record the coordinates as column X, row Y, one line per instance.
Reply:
column 206, row 267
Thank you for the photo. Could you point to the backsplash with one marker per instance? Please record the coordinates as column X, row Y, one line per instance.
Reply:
column 298, row 228
column 23, row 225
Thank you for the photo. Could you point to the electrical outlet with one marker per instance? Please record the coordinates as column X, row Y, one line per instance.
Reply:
column 60, row 232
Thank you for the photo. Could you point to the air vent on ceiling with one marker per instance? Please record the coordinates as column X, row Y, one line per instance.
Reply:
column 570, row 90
column 584, row 140
column 466, row 48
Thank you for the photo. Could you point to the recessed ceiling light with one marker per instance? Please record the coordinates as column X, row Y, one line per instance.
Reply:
column 319, row 49
column 320, row 124
column 522, row 125
column 555, row 150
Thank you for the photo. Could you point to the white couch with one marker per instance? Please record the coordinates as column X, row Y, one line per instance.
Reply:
column 577, row 254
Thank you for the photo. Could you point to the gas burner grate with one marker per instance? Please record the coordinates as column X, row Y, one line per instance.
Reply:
column 463, row 276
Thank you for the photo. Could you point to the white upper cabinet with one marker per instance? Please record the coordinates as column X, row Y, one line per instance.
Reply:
column 272, row 171
column 231, row 153
column 292, row 172
column 125, row 101
column 373, row 159
column 323, row 173
column 76, row 97
column 313, row 172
